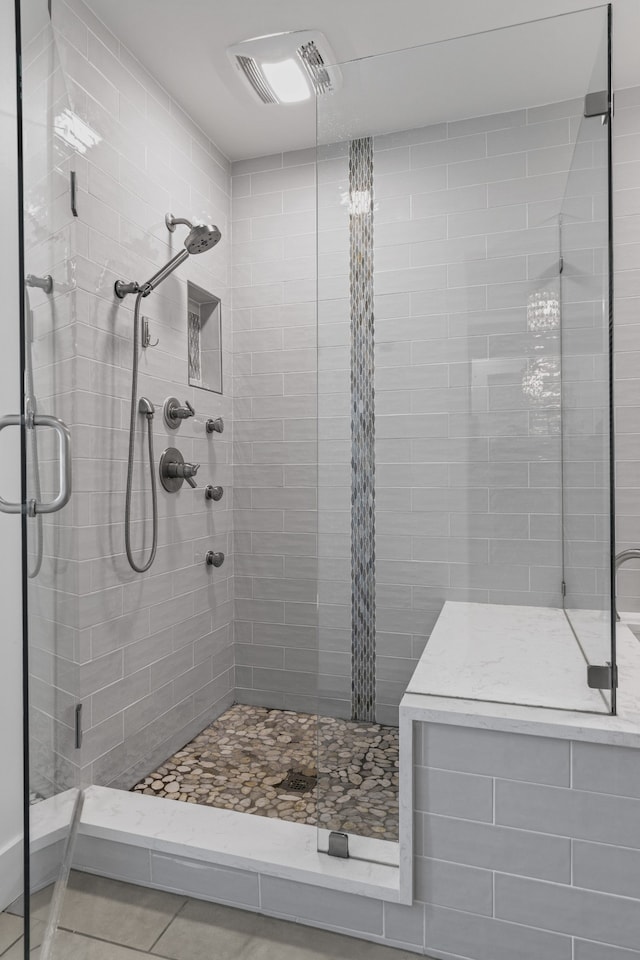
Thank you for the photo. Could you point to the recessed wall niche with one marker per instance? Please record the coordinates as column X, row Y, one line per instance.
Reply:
column 204, row 334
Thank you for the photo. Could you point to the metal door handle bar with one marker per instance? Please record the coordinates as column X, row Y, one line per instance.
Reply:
column 64, row 463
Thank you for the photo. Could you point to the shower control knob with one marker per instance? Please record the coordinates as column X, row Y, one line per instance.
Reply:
column 213, row 493
column 214, row 559
column 174, row 471
column 174, row 413
column 215, row 426
column 189, row 472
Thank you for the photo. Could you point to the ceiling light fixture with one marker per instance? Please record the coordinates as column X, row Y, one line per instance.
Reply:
column 287, row 67
column 287, row 80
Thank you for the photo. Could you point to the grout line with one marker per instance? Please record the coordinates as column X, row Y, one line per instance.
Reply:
column 174, row 917
column 571, row 852
column 92, row 936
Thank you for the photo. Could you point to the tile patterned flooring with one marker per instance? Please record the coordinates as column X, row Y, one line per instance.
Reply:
column 109, row 920
column 241, row 761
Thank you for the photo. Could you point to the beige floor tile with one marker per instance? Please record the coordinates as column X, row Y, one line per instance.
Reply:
column 40, row 904
column 73, row 946
column 283, row 940
column 16, row 952
column 207, row 931
column 10, row 930
column 123, row 913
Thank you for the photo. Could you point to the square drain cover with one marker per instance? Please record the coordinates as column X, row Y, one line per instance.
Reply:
column 298, row 782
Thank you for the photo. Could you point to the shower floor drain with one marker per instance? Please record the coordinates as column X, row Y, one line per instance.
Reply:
column 298, row 782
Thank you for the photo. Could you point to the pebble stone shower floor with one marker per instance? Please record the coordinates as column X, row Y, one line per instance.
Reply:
column 262, row 761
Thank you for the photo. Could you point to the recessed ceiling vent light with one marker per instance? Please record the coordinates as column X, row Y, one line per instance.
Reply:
column 287, row 67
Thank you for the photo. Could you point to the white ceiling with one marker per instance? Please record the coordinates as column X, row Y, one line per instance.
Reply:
column 183, row 44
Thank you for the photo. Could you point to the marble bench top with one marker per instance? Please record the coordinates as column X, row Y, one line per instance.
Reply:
column 521, row 668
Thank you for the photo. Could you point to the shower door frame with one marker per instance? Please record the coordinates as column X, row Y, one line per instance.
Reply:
column 59, row 823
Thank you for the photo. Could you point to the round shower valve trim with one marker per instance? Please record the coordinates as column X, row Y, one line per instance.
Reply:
column 174, row 470
column 174, row 412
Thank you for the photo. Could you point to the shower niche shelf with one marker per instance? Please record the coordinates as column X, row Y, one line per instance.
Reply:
column 204, row 336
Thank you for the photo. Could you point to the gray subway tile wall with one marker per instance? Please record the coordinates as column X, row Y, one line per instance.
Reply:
column 588, row 834
column 155, row 650
column 275, row 432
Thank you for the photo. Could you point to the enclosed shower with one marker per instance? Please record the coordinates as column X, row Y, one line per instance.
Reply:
column 386, row 430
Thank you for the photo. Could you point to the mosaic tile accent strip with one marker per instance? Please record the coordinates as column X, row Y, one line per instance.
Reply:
column 363, row 586
column 250, row 758
column 194, row 345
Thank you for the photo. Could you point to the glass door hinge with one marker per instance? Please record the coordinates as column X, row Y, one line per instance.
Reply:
column 338, row 844
column 597, row 105
column 602, row 676
column 563, row 588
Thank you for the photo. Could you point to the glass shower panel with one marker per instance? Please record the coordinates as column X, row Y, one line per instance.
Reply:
column 51, row 134
column 442, row 175
column 586, row 388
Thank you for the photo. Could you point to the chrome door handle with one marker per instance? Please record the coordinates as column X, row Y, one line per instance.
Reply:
column 11, row 420
column 64, row 463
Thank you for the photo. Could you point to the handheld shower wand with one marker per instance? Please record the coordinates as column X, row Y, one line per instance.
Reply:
column 201, row 237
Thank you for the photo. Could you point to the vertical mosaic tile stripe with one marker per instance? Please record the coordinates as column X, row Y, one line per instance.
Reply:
column 363, row 586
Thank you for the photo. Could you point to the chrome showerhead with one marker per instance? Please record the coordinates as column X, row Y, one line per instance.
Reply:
column 202, row 237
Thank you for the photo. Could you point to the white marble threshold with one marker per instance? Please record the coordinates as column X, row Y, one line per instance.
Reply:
column 263, row 845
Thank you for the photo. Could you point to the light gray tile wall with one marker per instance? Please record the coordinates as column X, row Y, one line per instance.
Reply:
column 334, row 420
column 155, row 650
column 275, row 430
column 555, row 797
column 468, row 486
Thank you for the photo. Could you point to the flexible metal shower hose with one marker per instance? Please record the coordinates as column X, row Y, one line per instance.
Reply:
column 132, row 436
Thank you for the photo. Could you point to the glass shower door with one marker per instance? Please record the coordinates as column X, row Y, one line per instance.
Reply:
column 51, row 136
column 462, row 276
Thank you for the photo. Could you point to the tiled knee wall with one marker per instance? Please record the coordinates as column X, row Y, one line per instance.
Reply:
column 525, row 847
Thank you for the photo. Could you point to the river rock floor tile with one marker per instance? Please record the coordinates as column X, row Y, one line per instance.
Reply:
column 338, row 774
